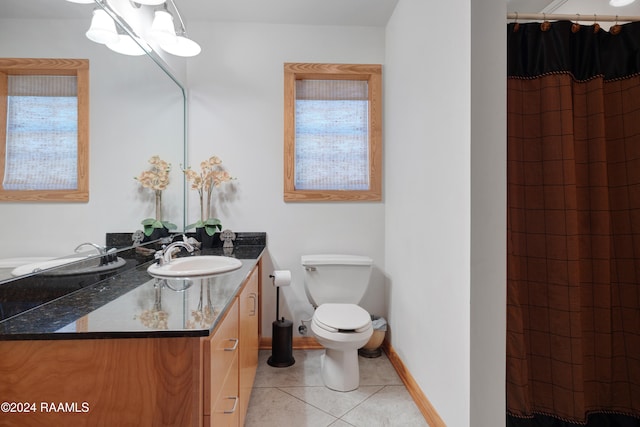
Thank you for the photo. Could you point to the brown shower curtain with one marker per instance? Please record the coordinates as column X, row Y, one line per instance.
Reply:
column 573, row 249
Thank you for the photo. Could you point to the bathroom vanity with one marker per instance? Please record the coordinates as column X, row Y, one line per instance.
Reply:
column 131, row 349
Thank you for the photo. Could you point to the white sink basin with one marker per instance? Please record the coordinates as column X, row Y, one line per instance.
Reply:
column 195, row 266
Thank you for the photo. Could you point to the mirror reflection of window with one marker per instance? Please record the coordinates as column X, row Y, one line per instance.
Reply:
column 44, row 143
column 42, row 133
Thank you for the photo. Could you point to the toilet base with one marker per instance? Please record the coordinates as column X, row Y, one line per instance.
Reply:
column 340, row 369
column 370, row 354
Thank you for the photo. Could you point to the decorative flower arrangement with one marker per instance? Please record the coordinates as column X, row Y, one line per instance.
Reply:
column 211, row 175
column 156, row 179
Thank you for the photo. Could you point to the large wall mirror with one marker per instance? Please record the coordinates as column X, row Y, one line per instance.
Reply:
column 137, row 110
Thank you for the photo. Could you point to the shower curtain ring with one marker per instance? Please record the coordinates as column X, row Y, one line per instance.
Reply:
column 546, row 25
column 596, row 26
column 575, row 27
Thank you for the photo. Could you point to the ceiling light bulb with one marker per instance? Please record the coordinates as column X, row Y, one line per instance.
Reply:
column 103, row 28
column 620, row 3
column 162, row 29
column 182, row 47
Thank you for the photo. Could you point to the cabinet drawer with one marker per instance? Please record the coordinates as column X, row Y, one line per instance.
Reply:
column 227, row 407
column 220, row 354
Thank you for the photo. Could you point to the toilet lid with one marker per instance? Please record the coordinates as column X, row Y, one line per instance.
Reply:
column 345, row 317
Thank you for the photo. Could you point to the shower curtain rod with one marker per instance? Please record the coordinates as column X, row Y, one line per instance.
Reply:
column 574, row 17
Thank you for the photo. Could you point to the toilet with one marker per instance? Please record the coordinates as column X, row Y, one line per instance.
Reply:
column 334, row 285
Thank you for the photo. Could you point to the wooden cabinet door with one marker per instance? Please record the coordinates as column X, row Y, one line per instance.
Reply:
column 249, row 340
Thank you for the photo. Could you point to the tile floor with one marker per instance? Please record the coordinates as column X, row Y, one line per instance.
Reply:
column 295, row 396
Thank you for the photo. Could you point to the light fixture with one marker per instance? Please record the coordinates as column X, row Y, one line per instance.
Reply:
column 106, row 23
column 103, row 28
column 182, row 45
column 162, row 29
column 149, row 2
column 620, row 3
column 126, row 45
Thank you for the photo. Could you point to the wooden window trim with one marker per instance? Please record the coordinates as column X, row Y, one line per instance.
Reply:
column 370, row 72
column 42, row 66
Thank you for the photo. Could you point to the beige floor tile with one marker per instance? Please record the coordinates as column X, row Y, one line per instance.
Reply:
column 340, row 423
column 270, row 407
column 335, row 403
column 378, row 371
column 304, row 372
column 390, row 407
column 295, row 396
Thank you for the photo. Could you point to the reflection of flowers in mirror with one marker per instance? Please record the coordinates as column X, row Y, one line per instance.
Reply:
column 201, row 319
column 211, row 176
column 154, row 319
column 156, row 178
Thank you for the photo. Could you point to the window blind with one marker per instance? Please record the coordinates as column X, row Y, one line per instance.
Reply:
column 332, row 140
column 42, row 133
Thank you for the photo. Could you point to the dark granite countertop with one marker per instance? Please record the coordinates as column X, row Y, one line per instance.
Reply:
column 129, row 303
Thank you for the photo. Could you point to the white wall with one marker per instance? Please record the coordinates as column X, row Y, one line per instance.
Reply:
column 427, row 184
column 135, row 113
column 445, row 181
column 236, row 112
column 488, row 213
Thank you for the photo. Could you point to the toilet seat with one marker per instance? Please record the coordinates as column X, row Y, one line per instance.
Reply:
column 342, row 318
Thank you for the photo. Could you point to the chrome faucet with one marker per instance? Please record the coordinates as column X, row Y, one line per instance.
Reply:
column 164, row 256
column 101, row 249
column 106, row 256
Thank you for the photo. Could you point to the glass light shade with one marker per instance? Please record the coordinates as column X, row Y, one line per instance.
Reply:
column 81, row 1
column 149, row 2
column 162, row 29
column 103, row 29
column 620, row 3
column 126, row 46
column 182, row 47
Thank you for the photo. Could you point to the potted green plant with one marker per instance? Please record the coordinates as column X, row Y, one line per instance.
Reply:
column 156, row 178
column 211, row 176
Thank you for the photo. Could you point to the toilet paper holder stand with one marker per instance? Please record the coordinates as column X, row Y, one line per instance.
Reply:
column 281, row 336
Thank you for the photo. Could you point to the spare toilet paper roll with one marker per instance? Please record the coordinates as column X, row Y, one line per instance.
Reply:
column 281, row 278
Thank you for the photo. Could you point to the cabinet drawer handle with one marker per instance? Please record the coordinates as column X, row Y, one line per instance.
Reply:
column 235, row 345
column 254, row 297
column 235, row 403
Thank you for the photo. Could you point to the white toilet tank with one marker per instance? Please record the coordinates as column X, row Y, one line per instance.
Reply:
column 336, row 278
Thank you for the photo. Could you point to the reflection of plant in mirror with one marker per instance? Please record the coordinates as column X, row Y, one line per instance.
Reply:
column 156, row 179
column 211, row 175
column 203, row 317
column 155, row 318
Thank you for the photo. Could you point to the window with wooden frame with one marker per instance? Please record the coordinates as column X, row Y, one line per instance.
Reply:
column 44, row 130
column 332, row 132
